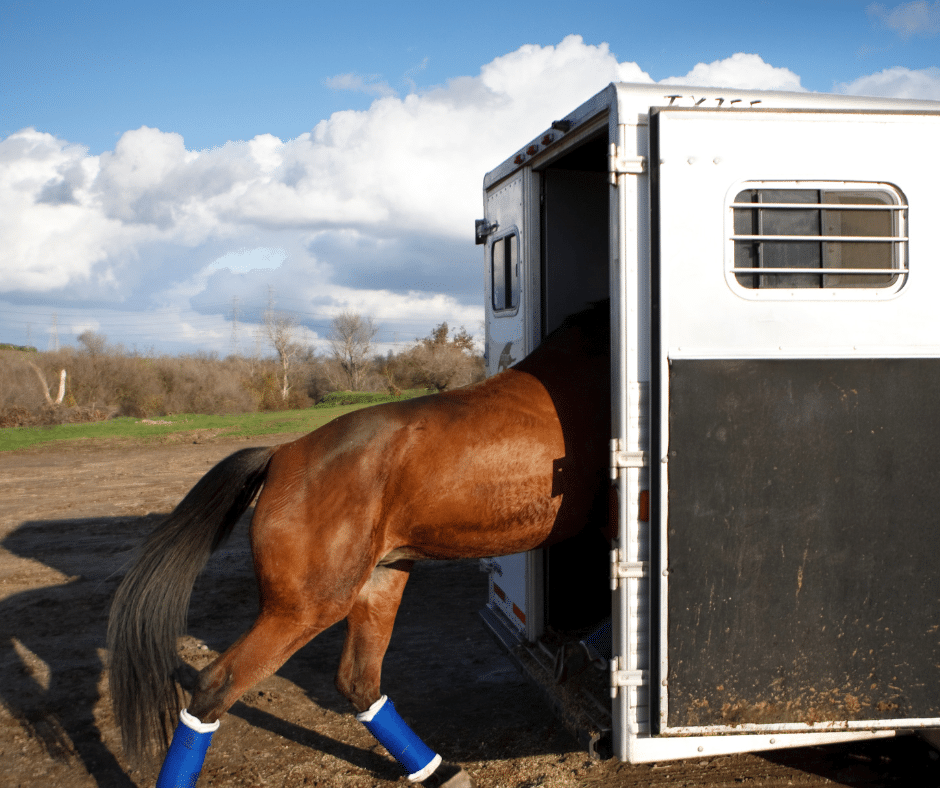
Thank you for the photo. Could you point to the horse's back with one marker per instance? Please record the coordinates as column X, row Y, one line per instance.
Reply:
column 498, row 467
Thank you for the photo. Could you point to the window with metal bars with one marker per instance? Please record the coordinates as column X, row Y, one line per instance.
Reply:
column 827, row 236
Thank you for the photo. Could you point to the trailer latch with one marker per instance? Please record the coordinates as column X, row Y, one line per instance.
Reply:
column 483, row 229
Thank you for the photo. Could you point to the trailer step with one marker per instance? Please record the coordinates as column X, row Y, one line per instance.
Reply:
column 575, row 703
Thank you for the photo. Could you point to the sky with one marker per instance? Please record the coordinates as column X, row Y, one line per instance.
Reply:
column 168, row 170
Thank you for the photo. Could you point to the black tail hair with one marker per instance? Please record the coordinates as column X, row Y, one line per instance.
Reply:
column 151, row 605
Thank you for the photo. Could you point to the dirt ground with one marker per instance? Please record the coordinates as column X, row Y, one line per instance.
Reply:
column 69, row 519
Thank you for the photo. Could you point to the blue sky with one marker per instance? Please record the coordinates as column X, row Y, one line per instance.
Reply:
column 164, row 164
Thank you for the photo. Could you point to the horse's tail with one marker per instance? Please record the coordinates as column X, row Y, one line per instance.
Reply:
column 150, row 607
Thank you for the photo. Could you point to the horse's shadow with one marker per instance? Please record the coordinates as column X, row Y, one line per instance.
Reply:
column 52, row 644
column 53, row 658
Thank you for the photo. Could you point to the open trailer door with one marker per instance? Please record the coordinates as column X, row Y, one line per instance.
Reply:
column 515, row 581
column 796, row 433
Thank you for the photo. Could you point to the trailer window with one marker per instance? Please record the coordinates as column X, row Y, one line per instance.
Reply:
column 504, row 263
column 826, row 237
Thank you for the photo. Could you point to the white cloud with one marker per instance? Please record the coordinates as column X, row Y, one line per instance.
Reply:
column 896, row 82
column 741, row 70
column 53, row 234
column 410, row 165
column 370, row 84
column 243, row 260
column 370, row 210
column 920, row 18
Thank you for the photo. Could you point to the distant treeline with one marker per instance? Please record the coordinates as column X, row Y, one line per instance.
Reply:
column 102, row 381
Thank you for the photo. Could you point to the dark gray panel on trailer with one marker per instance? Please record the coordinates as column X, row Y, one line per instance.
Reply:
column 803, row 541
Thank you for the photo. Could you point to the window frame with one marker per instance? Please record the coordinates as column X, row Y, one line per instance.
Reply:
column 895, row 203
column 515, row 285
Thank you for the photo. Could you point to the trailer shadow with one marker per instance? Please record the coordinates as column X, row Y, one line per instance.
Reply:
column 906, row 760
column 444, row 672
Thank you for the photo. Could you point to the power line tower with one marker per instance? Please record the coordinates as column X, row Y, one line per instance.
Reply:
column 235, row 315
column 54, row 333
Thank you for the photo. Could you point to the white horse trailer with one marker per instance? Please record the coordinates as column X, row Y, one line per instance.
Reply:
column 772, row 262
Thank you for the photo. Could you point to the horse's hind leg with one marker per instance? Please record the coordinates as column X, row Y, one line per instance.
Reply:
column 276, row 634
column 257, row 654
column 370, row 623
column 369, row 629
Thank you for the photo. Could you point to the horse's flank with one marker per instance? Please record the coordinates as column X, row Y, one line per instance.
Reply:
column 506, row 465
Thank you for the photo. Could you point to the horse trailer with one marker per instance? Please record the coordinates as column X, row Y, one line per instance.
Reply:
column 767, row 563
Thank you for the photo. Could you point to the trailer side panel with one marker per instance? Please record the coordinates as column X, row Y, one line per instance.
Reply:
column 803, row 535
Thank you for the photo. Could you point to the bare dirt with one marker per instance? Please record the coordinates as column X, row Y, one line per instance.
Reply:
column 70, row 516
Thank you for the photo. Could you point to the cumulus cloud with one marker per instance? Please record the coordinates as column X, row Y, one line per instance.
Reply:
column 741, row 70
column 370, row 210
column 54, row 235
column 897, row 82
column 407, row 166
column 920, row 18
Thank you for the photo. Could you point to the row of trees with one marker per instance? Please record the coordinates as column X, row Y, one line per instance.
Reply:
column 439, row 361
column 96, row 379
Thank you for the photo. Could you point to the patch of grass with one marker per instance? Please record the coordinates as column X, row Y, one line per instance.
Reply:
column 365, row 397
column 160, row 428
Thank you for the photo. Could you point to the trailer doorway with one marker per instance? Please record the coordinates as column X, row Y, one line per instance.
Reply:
column 575, row 273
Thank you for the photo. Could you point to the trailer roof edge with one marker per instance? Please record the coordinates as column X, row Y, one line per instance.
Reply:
column 630, row 102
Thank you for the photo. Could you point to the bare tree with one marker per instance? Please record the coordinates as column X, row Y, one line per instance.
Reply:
column 95, row 343
column 441, row 361
column 45, row 386
column 280, row 329
column 351, row 338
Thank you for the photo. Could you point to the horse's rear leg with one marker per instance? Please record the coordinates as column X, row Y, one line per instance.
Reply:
column 370, row 623
column 255, row 656
column 369, row 629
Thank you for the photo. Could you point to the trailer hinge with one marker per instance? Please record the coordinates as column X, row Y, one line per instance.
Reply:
column 626, row 570
column 626, row 678
column 621, row 458
column 620, row 164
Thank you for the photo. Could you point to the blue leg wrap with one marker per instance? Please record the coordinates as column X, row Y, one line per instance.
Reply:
column 393, row 733
column 187, row 751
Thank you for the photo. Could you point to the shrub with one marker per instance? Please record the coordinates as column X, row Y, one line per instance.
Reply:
column 105, row 380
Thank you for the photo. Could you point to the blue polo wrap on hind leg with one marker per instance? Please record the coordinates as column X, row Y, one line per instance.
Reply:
column 184, row 759
column 393, row 733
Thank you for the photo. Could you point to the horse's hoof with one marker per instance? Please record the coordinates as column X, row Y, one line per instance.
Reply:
column 448, row 775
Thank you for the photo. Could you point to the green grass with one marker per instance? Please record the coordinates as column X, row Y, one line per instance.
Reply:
column 364, row 397
column 242, row 425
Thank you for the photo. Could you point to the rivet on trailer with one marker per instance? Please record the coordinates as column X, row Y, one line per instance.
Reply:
column 767, row 575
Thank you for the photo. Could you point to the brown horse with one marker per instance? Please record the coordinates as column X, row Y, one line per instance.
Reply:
column 509, row 464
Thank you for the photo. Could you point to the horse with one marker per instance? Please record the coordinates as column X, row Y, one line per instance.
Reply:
column 512, row 463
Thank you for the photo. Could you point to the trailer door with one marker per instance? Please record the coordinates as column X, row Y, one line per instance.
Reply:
column 511, row 258
column 796, row 433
